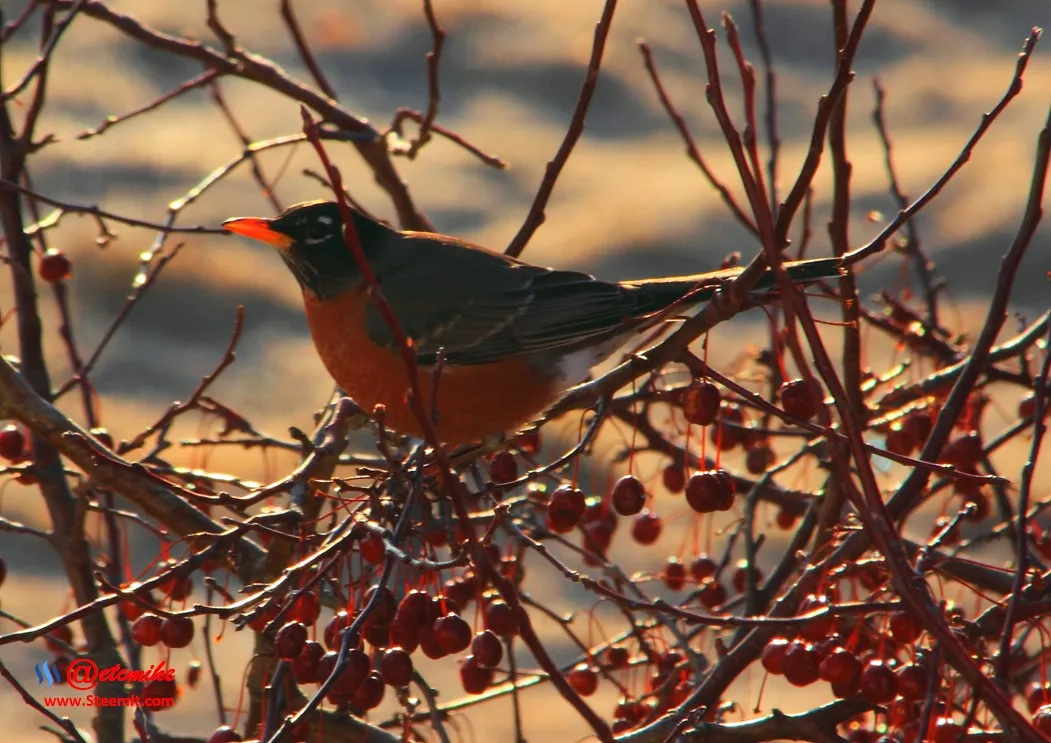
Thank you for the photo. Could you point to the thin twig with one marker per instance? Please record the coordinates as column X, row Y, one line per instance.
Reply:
column 536, row 216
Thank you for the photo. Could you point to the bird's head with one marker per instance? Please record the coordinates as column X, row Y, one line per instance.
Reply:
column 309, row 238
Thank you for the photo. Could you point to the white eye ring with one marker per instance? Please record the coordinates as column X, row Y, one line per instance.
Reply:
column 316, row 232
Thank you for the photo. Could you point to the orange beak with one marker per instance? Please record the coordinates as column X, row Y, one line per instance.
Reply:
column 258, row 229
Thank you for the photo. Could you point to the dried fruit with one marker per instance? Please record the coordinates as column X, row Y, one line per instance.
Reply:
column 700, row 402
column 629, row 496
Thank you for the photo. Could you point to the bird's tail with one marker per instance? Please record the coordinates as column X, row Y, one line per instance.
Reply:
column 702, row 287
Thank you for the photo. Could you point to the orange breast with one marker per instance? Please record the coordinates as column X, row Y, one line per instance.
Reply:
column 473, row 401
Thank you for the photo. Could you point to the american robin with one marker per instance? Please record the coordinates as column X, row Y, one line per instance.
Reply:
column 514, row 336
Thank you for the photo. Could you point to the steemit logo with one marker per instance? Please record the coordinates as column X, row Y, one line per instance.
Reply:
column 47, row 672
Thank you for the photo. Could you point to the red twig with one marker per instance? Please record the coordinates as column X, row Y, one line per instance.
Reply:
column 246, row 142
column 751, row 127
column 877, row 243
column 433, row 91
column 773, row 139
column 179, row 408
column 535, row 217
column 844, row 75
column 192, row 84
column 140, row 287
column 692, row 150
column 48, row 49
column 921, row 262
column 288, row 14
column 1040, row 387
column 407, row 113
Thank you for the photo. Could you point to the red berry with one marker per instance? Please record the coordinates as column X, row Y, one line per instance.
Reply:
column 396, row 667
column 440, row 606
column 224, row 734
column 404, row 637
column 1042, row 720
column 475, row 677
column 846, row 690
column 377, row 635
column 728, row 434
column 901, row 712
column 565, row 509
column 147, row 630
column 177, row 587
column 710, row 490
column 583, row 679
column 963, row 452
column 617, row 657
column 452, row 633
column 487, row 649
column 59, row 639
column 3, row 573
column 500, row 618
column 355, row 669
column 529, row 441
column 674, row 574
column 12, row 443
column 333, row 634
column 900, row 440
column 912, row 681
column 289, row 640
column 878, row 683
column 262, row 618
column 306, row 609
column 773, row 656
column 1041, row 541
column 840, row 667
column 646, row 529
column 759, row 459
column 947, row 730
column 385, row 605
column 429, row 644
column 801, row 663
column 413, row 608
column 918, row 424
column 373, row 549
column 713, row 594
column 177, row 632
column 461, row 589
column 903, row 627
column 786, row 518
column 674, row 477
column 703, row 567
column 54, row 266
column 700, row 402
column 305, row 666
column 1027, row 406
column 628, row 496
column 815, row 629
column 503, row 467
column 740, row 577
column 370, row 692
column 799, row 399
column 596, row 538
column 1037, row 695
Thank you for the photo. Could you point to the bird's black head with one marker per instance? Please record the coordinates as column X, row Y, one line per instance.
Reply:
column 309, row 237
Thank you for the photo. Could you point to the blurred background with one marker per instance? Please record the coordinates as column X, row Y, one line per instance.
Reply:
column 629, row 204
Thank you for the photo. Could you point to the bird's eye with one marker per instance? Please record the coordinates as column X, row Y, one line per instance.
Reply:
column 316, row 231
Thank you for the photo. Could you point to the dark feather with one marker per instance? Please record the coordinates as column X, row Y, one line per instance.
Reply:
column 483, row 307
